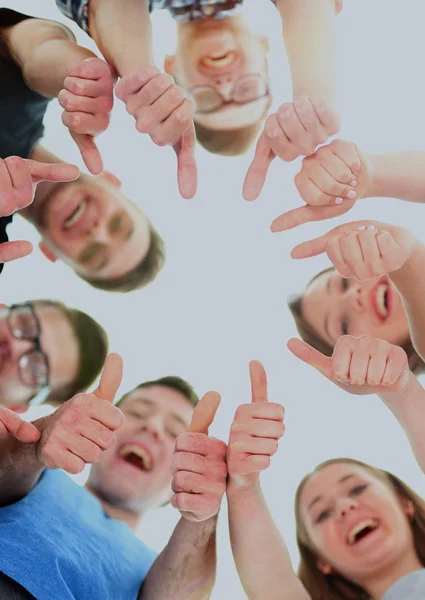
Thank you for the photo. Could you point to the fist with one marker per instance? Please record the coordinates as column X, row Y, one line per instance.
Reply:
column 360, row 365
column 254, row 434
column 199, row 466
column 362, row 250
column 83, row 428
column 11, row 424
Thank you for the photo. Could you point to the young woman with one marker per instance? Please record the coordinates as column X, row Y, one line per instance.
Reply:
column 360, row 530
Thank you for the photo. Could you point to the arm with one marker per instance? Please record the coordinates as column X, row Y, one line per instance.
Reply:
column 185, row 569
column 310, row 41
column 398, row 175
column 20, row 470
column 123, row 33
column 270, row 576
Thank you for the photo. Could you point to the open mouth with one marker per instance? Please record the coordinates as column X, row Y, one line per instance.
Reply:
column 136, row 456
column 219, row 61
column 381, row 300
column 75, row 216
column 361, row 531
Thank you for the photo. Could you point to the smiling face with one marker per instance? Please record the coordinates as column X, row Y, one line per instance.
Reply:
column 357, row 525
column 218, row 53
column 334, row 306
column 92, row 227
column 135, row 473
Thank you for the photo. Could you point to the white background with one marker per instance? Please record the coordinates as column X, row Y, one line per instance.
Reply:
column 221, row 299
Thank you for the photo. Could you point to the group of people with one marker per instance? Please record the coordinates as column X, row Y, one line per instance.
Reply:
column 360, row 530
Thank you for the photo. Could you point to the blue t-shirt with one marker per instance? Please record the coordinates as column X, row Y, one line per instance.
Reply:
column 409, row 587
column 58, row 543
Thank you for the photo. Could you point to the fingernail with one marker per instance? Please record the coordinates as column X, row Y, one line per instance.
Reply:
column 351, row 195
column 339, row 200
column 371, row 227
column 361, row 228
column 353, row 183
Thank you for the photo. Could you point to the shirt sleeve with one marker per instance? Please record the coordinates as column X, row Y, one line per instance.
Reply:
column 77, row 11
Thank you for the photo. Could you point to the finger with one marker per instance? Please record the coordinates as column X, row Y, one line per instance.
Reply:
column 278, row 141
column 85, row 449
column 294, row 130
column 307, row 116
column 328, row 185
column 377, row 365
column 13, row 250
column 130, row 84
column 311, row 192
column 264, row 428
column 359, row 365
column 193, row 483
column 335, row 166
column 352, row 254
column 90, row 68
column 257, row 172
column 308, row 214
column 256, row 445
column 187, row 171
column 348, row 153
column 341, row 359
column 52, row 172
column 258, row 378
column 311, row 356
column 336, row 257
column 111, row 378
column 160, row 114
column 204, row 413
column 11, row 423
column 19, row 173
column 370, row 249
column 80, row 122
column 311, row 247
column 88, row 88
column 89, row 152
column 74, row 103
column 327, row 115
column 396, row 365
column 391, row 254
column 177, row 121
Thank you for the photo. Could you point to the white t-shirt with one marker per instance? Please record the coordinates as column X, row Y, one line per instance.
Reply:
column 409, row 587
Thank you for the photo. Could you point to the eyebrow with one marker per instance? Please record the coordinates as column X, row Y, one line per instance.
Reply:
column 318, row 498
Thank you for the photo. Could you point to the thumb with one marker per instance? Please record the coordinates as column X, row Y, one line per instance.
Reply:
column 258, row 378
column 52, row 172
column 297, row 216
column 257, row 172
column 311, row 248
column 204, row 413
column 11, row 423
column 311, row 356
column 111, row 378
column 187, row 173
column 89, row 152
column 14, row 250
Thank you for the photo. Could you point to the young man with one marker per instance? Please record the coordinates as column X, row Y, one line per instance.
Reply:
column 48, row 352
column 88, row 223
column 73, row 546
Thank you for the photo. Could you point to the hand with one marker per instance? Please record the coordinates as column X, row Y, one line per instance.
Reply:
column 362, row 250
column 359, row 365
column 88, row 99
column 83, row 428
column 19, row 178
column 330, row 182
column 11, row 424
column 295, row 130
column 161, row 110
column 199, row 465
column 254, row 434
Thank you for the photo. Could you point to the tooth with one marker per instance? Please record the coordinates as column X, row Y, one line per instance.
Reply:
column 380, row 300
column 75, row 215
column 132, row 449
column 359, row 527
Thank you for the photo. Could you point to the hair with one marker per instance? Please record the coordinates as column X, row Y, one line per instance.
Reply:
column 230, row 142
column 334, row 586
column 309, row 335
column 142, row 274
column 170, row 381
column 92, row 342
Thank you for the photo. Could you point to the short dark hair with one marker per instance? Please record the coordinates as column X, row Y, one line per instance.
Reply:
column 92, row 341
column 142, row 274
column 170, row 381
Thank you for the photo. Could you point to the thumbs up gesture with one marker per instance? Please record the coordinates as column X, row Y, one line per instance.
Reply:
column 199, row 465
column 11, row 424
column 81, row 429
column 254, row 433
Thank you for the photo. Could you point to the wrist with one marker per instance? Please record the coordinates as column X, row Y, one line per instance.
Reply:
column 243, row 486
column 413, row 265
column 399, row 402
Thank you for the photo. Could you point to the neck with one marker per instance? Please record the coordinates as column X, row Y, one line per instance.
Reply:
column 132, row 519
column 381, row 582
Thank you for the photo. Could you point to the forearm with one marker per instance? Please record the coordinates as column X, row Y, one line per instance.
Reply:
column 123, row 33
column 186, row 568
column 262, row 559
column 19, row 470
column 399, row 175
column 410, row 282
column 310, row 40
column 409, row 410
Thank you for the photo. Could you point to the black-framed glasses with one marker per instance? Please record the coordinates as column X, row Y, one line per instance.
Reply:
column 33, row 365
column 248, row 88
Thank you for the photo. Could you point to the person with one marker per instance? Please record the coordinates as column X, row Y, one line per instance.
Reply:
column 374, row 288
column 360, row 529
column 48, row 353
column 219, row 62
column 88, row 223
column 132, row 445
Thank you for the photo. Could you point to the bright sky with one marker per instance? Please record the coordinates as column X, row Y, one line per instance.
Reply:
column 221, row 299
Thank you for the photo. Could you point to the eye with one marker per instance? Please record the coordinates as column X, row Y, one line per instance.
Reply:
column 323, row 516
column 115, row 224
column 359, row 489
column 344, row 327
column 345, row 284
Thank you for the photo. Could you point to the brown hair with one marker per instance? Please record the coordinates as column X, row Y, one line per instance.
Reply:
column 142, row 274
column 170, row 381
column 334, row 586
column 92, row 342
column 309, row 335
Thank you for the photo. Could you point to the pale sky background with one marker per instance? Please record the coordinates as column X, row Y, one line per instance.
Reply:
column 221, row 299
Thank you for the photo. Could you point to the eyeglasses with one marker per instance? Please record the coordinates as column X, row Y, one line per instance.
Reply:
column 33, row 365
column 248, row 88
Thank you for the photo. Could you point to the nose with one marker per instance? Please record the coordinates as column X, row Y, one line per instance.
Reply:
column 345, row 506
column 154, row 425
column 224, row 84
column 355, row 296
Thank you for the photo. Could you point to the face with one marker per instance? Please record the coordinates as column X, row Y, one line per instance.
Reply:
column 356, row 523
column 136, row 473
column 92, row 227
column 335, row 306
column 218, row 53
column 57, row 341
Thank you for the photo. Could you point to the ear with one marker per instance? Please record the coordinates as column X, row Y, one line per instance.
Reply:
column 47, row 252
column 264, row 43
column 409, row 508
column 324, row 567
column 111, row 178
column 169, row 62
